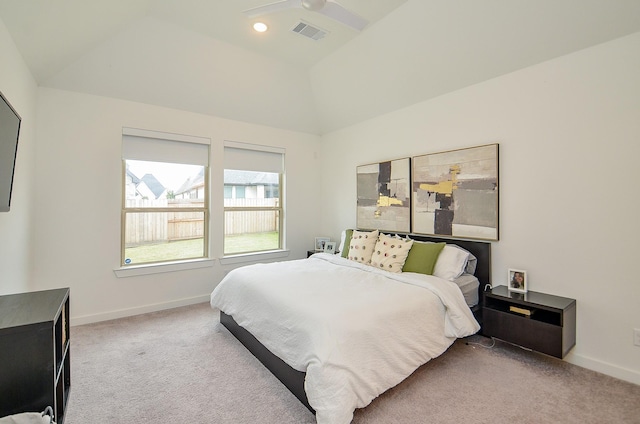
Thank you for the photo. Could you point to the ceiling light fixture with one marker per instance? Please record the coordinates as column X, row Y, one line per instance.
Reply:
column 313, row 4
column 260, row 26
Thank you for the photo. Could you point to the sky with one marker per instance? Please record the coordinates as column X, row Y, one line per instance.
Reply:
column 170, row 175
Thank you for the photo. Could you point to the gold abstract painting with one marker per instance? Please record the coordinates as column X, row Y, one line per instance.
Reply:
column 384, row 196
column 455, row 193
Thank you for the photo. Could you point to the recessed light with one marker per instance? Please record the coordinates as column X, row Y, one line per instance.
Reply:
column 260, row 26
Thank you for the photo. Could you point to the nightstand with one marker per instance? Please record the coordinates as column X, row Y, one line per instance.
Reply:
column 537, row 321
column 311, row 252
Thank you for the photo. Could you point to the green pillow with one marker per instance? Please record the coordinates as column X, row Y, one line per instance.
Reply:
column 347, row 240
column 422, row 257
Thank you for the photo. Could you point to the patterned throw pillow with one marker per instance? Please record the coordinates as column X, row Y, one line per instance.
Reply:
column 390, row 253
column 361, row 246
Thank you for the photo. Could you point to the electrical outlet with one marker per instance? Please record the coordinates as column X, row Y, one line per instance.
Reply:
column 636, row 336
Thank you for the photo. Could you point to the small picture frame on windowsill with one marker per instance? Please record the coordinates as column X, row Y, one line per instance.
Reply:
column 517, row 281
column 330, row 247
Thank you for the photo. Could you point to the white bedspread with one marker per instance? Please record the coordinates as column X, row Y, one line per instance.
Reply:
column 355, row 330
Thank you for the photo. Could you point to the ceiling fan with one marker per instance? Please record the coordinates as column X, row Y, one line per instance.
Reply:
column 329, row 8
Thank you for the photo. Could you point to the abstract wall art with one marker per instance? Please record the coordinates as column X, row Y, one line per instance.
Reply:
column 384, row 196
column 455, row 193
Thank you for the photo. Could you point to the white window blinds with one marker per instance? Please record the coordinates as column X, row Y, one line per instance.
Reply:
column 252, row 157
column 157, row 146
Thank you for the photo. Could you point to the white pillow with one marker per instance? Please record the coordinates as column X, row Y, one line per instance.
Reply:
column 451, row 263
column 361, row 246
column 343, row 236
column 390, row 253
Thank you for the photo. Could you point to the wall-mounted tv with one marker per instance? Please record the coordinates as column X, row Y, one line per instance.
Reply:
column 9, row 132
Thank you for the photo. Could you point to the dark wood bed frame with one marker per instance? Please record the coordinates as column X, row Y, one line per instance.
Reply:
column 294, row 379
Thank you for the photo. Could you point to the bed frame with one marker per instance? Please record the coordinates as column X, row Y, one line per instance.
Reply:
column 294, row 379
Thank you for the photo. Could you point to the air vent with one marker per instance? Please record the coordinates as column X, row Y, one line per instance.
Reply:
column 309, row 31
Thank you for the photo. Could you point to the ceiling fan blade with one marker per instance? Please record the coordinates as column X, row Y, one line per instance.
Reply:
column 335, row 11
column 272, row 7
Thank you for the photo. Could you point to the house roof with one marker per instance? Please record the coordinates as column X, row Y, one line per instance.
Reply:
column 192, row 182
column 154, row 185
column 232, row 177
column 134, row 179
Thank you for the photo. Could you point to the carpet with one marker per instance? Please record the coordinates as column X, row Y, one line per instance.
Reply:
column 182, row 366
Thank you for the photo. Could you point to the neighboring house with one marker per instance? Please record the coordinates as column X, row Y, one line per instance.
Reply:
column 131, row 185
column 147, row 187
column 152, row 188
column 237, row 185
column 192, row 188
column 250, row 185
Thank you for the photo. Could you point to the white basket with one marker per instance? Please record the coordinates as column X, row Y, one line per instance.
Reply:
column 45, row 417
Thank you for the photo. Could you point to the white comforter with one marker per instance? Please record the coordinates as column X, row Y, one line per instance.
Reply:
column 355, row 330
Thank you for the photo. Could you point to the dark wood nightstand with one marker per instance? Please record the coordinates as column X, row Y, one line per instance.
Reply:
column 538, row 321
column 311, row 252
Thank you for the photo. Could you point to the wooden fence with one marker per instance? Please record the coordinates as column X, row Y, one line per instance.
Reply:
column 247, row 222
column 158, row 227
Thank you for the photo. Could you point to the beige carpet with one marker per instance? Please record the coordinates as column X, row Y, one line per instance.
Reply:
column 182, row 366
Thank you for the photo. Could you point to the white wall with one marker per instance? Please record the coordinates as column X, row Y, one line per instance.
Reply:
column 569, row 134
column 182, row 69
column 19, row 88
column 425, row 49
column 78, row 200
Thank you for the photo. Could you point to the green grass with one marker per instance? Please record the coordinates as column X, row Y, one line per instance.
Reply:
column 251, row 242
column 189, row 249
column 175, row 250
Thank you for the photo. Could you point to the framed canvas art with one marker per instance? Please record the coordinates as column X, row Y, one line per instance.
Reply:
column 455, row 193
column 384, row 196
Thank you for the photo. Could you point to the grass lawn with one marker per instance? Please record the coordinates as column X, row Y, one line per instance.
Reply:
column 189, row 249
column 255, row 242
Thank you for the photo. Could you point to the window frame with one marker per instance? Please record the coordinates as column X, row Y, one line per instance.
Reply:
column 252, row 153
column 278, row 209
column 204, row 209
column 131, row 210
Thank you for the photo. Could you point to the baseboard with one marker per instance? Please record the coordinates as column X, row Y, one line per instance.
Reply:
column 612, row 370
column 121, row 313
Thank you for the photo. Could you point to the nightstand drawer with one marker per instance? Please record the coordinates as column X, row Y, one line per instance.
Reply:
column 537, row 335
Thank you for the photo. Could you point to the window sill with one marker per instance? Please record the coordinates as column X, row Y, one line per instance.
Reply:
column 135, row 270
column 254, row 257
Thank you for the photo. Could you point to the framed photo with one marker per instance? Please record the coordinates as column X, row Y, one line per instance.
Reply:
column 330, row 247
column 517, row 281
column 384, row 196
column 321, row 242
column 455, row 193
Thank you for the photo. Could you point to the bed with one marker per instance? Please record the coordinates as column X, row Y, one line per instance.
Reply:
column 338, row 332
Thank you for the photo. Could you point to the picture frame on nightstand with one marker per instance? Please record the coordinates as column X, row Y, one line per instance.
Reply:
column 517, row 280
column 330, row 247
column 320, row 243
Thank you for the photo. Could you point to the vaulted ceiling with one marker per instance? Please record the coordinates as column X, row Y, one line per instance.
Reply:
column 203, row 56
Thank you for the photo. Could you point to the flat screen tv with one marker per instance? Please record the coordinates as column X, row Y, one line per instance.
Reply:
column 9, row 132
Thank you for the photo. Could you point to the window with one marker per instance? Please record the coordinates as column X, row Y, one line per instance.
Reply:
column 165, row 207
column 253, row 207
